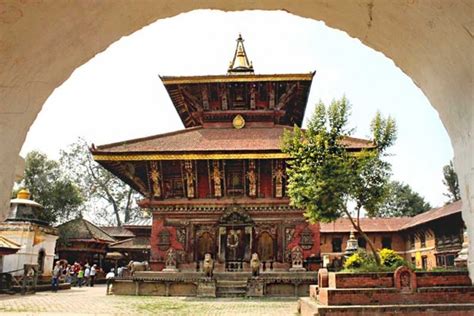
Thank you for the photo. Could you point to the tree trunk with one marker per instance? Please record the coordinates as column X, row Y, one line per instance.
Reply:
column 364, row 235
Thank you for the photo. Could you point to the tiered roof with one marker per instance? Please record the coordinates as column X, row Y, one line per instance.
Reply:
column 80, row 229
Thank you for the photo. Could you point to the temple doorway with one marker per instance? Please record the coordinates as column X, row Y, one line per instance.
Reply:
column 235, row 238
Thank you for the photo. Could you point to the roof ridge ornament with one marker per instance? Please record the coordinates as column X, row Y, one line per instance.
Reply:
column 240, row 64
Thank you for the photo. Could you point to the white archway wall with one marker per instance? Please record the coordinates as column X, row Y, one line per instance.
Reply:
column 42, row 42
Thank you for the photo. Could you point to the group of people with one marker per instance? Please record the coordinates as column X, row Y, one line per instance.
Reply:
column 75, row 274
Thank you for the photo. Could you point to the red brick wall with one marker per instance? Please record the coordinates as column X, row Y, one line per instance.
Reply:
column 157, row 255
column 315, row 250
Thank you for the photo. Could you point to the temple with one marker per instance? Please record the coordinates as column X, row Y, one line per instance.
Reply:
column 219, row 185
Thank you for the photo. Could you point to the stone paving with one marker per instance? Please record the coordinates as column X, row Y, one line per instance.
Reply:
column 93, row 301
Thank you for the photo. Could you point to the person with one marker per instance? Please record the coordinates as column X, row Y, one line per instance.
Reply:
column 68, row 275
column 55, row 276
column 93, row 273
column 109, row 277
column 80, row 276
column 87, row 275
column 120, row 272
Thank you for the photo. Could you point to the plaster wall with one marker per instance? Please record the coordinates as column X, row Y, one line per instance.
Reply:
column 23, row 234
column 42, row 42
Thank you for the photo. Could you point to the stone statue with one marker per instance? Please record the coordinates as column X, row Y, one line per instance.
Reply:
column 134, row 266
column 208, row 265
column 216, row 176
column 297, row 259
column 155, row 179
column 255, row 265
column 171, row 261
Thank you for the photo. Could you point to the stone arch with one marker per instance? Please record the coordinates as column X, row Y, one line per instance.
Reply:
column 37, row 57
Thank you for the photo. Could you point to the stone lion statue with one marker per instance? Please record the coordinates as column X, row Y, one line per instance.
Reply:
column 134, row 266
column 208, row 265
column 255, row 265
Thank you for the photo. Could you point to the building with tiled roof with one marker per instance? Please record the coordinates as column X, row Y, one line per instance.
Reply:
column 81, row 241
column 430, row 239
column 222, row 180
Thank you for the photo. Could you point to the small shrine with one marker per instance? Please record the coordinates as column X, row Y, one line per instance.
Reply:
column 33, row 238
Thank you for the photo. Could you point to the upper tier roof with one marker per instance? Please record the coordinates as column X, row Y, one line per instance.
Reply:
column 279, row 98
column 200, row 139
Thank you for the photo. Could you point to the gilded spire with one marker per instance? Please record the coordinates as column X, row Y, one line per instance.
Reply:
column 240, row 63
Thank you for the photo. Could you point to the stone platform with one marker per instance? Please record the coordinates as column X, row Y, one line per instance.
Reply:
column 223, row 284
column 403, row 291
column 309, row 307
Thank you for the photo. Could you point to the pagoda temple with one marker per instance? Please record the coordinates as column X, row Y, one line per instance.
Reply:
column 219, row 185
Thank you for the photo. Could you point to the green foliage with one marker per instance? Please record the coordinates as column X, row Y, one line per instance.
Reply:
column 117, row 200
column 323, row 175
column 50, row 187
column 401, row 200
column 451, row 182
column 361, row 261
column 390, row 258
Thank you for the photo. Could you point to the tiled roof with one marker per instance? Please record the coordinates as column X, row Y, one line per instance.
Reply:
column 118, row 231
column 367, row 224
column 392, row 224
column 132, row 243
column 80, row 228
column 198, row 139
column 434, row 214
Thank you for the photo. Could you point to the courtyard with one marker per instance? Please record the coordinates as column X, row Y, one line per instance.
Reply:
column 93, row 301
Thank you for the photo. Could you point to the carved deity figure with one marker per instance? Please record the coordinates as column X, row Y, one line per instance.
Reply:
column 278, row 176
column 155, row 179
column 271, row 93
column 296, row 259
column 252, row 176
column 232, row 244
column 189, row 177
column 253, row 96
column 171, row 258
column 216, row 177
column 405, row 281
column 223, row 93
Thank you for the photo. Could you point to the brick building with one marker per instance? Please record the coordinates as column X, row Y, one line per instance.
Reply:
column 428, row 240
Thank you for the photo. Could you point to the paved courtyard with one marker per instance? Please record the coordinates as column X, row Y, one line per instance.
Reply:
column 93, row 301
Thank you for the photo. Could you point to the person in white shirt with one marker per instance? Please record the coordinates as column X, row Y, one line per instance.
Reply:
column 109, row 277
column 92, row 275
column 87, row 276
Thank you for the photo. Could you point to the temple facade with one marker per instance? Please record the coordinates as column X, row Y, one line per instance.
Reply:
column 219, row 185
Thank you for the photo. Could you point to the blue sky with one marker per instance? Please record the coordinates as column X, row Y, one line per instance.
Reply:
column 118, row 94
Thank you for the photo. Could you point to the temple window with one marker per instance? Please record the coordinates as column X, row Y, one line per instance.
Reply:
column 234, row 177
column 173, row 185
column 337, row 245
column 422, row 240
column 412, row 241
column 387, row 242
column 361, row 242
column 262, row 92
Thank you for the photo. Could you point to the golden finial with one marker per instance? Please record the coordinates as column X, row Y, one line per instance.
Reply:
column 240, row 64
column 23, row 194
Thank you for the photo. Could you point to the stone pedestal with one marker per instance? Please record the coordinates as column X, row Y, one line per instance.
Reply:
column 206, row 288
column 255, row 287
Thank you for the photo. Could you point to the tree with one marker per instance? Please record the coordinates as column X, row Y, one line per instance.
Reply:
column 108, row 197
column 326, row 179
column 49, row 186
column 402, row 201
column 451, row 182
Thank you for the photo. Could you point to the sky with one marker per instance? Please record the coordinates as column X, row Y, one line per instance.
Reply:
column 118, row 94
